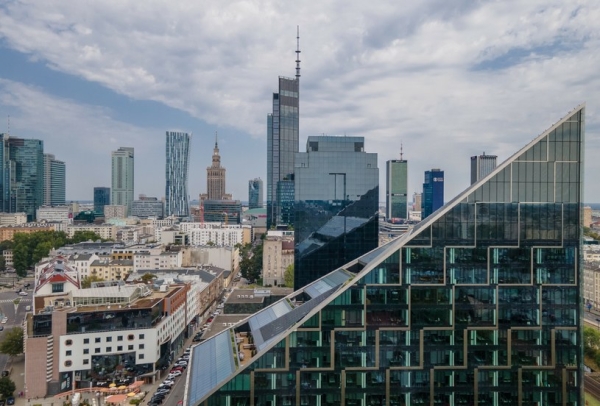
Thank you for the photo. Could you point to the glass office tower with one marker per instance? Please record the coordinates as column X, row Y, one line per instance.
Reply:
column 122, row 177
column 433, row 192
column 396, row 189
column 101, row 199
column 176, row 190
column 482, row 166
column 22, row 175
column 282, row 145
column 479, row 304
column 336, row 205
column 255, row 193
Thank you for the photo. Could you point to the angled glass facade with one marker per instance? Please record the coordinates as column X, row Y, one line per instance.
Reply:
column 479, row 304
column 336, row 208
column 282, row 144
column 176, row 190
column 433, row 192
column 396, row 189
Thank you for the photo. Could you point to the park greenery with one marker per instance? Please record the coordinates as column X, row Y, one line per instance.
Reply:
column 251, row 261
column 28, row 249
column 12, row 342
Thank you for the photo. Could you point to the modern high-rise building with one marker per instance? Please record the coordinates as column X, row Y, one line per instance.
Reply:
column 223, row 211
column 101, row 199
column 479, row 304
column 433, row 192
column 336, row 207
column 215, row 178
column 481, row 166
column 22, row 175
column 176, row 174
column 122, row 177
column 54, row 181
column 396, row 189
column 146, row 207
column 282, row 144
column 255, row 194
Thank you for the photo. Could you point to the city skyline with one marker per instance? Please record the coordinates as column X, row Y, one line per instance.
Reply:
column 85, row 87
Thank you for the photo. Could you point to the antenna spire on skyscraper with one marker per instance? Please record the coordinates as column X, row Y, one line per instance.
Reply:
column 401, row 150
column 297, row 52
column 216, row 139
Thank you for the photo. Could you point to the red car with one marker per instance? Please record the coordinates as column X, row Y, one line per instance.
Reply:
column 180, row 369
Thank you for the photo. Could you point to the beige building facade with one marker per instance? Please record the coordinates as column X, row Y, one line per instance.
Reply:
column 278, row 254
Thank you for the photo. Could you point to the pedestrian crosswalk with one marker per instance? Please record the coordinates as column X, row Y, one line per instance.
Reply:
column 13, row 300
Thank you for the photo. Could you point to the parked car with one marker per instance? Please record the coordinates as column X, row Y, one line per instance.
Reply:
column 10, row 400
column 23, row 293
column 174, row 374
column 181, row 364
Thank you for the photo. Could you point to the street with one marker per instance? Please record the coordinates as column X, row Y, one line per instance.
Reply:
column 7, row 309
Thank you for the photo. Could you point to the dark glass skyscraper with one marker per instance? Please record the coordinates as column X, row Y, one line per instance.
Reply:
column 433, row 192
column 337, row 195
column 101, row 199
column 176, row 174
column 282, row 145
column 480, row 304
column 22, row 187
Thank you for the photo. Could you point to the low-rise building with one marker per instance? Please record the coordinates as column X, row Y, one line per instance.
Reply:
column 60, row 214
column 8, row 232
column 12, row 219
column 115, row 211
column 227, row 258
column 163, row 260
column 105, row 231
column 591, row 283
column 103, row 334
column 111, row 269
column 147, row 207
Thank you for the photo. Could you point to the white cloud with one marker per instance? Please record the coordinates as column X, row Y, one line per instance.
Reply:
column 449, row 79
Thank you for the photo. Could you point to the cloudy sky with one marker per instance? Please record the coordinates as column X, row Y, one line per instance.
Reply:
column 447, row 79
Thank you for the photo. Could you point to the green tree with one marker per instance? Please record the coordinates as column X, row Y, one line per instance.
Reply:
column 288, row 276
column 147, row 277
column 86, row 282
column 81, row 236
column 591, row 342
column 7, row 387
column 12, row 343
column 2, row 263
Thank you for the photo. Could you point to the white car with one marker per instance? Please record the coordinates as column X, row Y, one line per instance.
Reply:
column 181, row 363
column 174, row 374
column 23, row 293
column 3, row 321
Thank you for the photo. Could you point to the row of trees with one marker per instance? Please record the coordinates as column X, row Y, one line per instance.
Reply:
column 11, row 344
column 31, row 248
